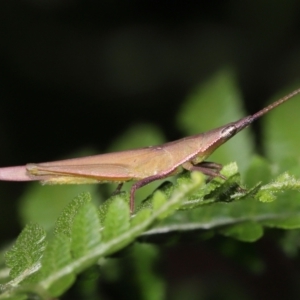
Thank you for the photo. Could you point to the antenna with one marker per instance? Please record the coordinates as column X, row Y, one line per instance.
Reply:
column 275, row 104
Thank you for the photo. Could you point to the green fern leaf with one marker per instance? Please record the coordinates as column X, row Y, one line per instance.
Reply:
column 140, row 217
column 116, row 220
column 24, row 257
column 282, row 183
column 159, row 199
column 246, row 232
column 85, row 231
column 65, row 221
column 57, row 255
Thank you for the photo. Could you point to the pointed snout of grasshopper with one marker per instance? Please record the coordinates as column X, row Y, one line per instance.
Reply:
column 226, row 132
column 243, row 123
column 18, row 173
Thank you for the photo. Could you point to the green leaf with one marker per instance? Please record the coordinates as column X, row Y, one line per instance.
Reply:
column 282, row 183
column 57, row 255
column 85, row 231
column 282, row 213
column 103, row 208
column 141, row 217
column 246, row 232
column 65, row 221
column 165, row 188
column 182, row 182
column 159, row 199
column 217, row 189
column 292, row 222
column 215, row 103
column 116, row 220
column 14, row 297
column 239, row 216
column 25, row 255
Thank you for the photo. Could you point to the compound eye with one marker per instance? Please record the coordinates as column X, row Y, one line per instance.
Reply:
column 228, row 132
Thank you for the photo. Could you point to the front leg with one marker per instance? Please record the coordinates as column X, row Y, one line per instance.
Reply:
column 208, row 168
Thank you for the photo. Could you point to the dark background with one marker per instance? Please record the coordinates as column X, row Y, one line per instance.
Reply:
column 75, row 74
